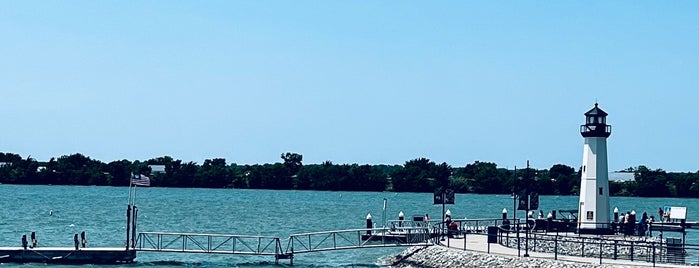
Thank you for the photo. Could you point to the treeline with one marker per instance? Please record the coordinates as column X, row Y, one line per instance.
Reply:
column 417, row 175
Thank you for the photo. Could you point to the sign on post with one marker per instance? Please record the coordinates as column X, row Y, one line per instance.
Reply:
column 528, row 201
column 443, row 196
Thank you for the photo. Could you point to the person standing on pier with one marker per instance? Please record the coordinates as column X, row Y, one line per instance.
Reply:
column 660, row 214
column 642, row 224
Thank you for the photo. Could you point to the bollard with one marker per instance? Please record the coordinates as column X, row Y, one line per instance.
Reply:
column 401, row 216
column 616, row 214
column 369, row 225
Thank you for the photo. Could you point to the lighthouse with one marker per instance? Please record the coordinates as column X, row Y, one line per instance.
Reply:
column 593, row 209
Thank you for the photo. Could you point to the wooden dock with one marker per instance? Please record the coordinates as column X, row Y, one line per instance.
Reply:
column 67, row 255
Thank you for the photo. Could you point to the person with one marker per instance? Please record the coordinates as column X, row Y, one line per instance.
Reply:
column 642, row 224
column 660, row 214
column 34, row 242
column 427, row 219
column 627, row 217
column 24, row 241
column 83, row 239
column 453, row 228
column 76, row 242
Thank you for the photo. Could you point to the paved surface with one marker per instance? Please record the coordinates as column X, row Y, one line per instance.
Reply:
column 478, row 243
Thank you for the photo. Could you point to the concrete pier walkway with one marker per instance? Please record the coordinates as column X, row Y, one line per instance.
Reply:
column 478, row 243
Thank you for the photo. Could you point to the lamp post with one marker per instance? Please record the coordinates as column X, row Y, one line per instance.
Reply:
column 526, row 216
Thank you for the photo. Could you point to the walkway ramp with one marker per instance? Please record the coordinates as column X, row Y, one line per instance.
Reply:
column 358, row 238
column 209, row 243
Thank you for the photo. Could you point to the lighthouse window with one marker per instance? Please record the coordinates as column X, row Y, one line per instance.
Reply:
column 601, row 191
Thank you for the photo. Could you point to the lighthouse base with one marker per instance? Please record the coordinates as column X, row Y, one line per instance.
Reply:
column 596, row 231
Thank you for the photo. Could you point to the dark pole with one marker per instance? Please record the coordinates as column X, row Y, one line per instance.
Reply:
column 443, row 206
column 514, row 212
column 133, row 226
column 514, row 196
column 526, row 215
column 128, row 225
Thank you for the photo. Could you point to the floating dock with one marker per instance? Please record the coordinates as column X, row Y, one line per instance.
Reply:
column 67, row 255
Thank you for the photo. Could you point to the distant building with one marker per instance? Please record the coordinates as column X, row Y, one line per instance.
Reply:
column 621, row 176
column 157, row 168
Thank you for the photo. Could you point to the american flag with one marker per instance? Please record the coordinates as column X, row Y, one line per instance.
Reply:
column 140, row 180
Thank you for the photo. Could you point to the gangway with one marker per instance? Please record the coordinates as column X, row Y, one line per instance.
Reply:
column 271, row 246
column 210, row 243
column 358, row 238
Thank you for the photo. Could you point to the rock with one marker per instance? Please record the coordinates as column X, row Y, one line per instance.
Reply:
column 439, row 256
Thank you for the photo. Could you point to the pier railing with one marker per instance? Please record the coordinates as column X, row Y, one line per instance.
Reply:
column 358, row 238
column 633, row 248
column 209, row 243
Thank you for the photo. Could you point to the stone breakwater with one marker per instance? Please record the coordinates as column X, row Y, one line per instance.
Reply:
column 440, row 256
column 642, row 248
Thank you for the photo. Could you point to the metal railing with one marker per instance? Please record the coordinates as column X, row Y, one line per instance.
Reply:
column 209, row 243
column 633, row 248
column 358, row 238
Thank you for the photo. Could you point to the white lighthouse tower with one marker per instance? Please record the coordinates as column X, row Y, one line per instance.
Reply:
column 593, row 209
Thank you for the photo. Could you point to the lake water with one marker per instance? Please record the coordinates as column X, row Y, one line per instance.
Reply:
column 100, row 212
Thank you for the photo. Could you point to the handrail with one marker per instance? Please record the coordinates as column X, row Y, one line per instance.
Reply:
column 208, row 243
column 358, row 238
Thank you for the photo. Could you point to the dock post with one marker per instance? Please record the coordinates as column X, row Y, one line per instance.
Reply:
column 128, row 225
column 133, row 226
column 369, row 224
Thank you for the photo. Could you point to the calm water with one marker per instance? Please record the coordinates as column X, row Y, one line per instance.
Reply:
column 100, row 212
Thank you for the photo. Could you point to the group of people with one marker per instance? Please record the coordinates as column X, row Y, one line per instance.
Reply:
column 34, row 242
column 26, row 244
column 629, row 225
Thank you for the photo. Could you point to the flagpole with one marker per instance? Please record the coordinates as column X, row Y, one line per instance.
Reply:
column 128, row 213
column 130, row 184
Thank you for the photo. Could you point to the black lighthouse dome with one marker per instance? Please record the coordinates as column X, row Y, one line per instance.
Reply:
column 595, row 124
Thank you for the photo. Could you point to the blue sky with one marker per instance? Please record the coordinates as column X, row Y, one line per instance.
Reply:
column 368, row 82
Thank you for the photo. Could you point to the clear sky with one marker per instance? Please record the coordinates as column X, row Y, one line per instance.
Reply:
column 367, row 82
